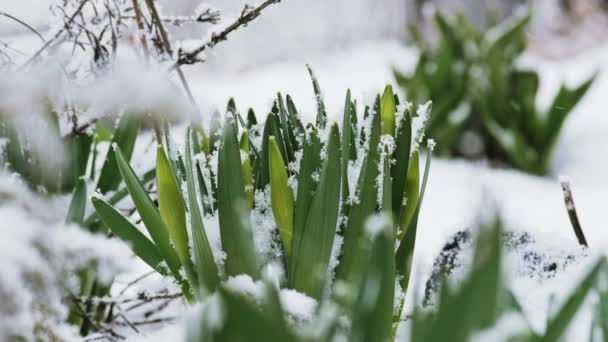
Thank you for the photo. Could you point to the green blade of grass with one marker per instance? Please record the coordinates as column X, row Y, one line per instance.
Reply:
column 411, row 193
column 271, row 128
column 311, row 162
column 321, row 113
column 367, row 194
column 205, row 263
column 281, row 196
column 235, row 228
column 124, row 136
column 347, row 140
column 373, row 309
column 312, row 253
column 247, row 177
column 151, row 218
column 126, row 231
column 173, row 213
column 399, row 171
column 560, row 322
column 388, row 109
column 78, row 204
column 405, row 252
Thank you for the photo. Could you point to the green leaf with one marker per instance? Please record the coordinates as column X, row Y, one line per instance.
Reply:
column 235, row 228
column 294, row 116
column 271, row 128
column 321, row 114
column 558, row 325
column 281, row 196
column 173, row 212
column 367, row 194
column 347, row 140
column 247, row 177
column 399, row 171
column 245, row 320
column 562, row 105
column 251, row 119
column 388, row 109
column 373, row 310
column 93, row 218
column 311, row 163
column 124, row 136
column 412, row 194
column 312, row 248
column 205, row 263
column 78, row 204
column 151, row 218
column 405, row 252
column 290, row 139
column 126, row 231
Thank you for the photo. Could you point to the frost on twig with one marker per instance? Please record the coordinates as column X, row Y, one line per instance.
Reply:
column 569, row 200
column 248, row 14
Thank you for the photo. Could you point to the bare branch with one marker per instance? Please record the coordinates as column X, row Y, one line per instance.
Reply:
column 248, row 15
column 576, row 225
column 23, row 23
column 58, row 34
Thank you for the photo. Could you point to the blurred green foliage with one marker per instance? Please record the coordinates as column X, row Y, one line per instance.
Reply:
column 484, row 105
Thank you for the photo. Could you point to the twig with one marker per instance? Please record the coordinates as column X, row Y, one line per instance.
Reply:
column 248, row 15
column 65, row 27
column 77, row 130
column 140, row 297
column 152, row 321
column 138, row 279
column 28, row 26
column 576, row 225
column 167, row 47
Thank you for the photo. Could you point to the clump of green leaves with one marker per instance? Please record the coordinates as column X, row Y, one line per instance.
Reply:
column 305, row 171
column 483, row 104
column 479, row 307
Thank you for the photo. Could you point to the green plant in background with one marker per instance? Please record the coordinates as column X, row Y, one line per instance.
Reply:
column 483, row 104
column 302, row 171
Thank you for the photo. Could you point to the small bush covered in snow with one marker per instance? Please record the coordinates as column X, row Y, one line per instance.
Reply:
column 484, row 106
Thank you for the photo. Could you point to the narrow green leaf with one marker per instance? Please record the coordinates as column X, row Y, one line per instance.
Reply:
column 373, row 310
column 281, row 196
column 125, row 230
column 399, row 170
column 367, row 194
column 78, row 203
column 271, row 128
column 558, row 325
column 124, row 136
column 251, row 119
column 412, row 194
column 321, row 114
column 388, row 109
column 205, row 263
column 347, row 139
column 247, row 177
column 311, row 163
column 405, row 252
column 235, row 228
column 151, row 218
column 312, row 248
column 294, row 116
column 173, row 212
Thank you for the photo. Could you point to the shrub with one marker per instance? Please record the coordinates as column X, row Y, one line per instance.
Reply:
column 483, row 104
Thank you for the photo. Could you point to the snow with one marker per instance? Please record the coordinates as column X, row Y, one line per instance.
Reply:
column 458, row 191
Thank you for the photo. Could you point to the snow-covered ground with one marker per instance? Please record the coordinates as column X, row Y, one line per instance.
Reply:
column 458, row 192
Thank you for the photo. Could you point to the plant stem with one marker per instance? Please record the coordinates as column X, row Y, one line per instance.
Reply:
column 576, row 225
